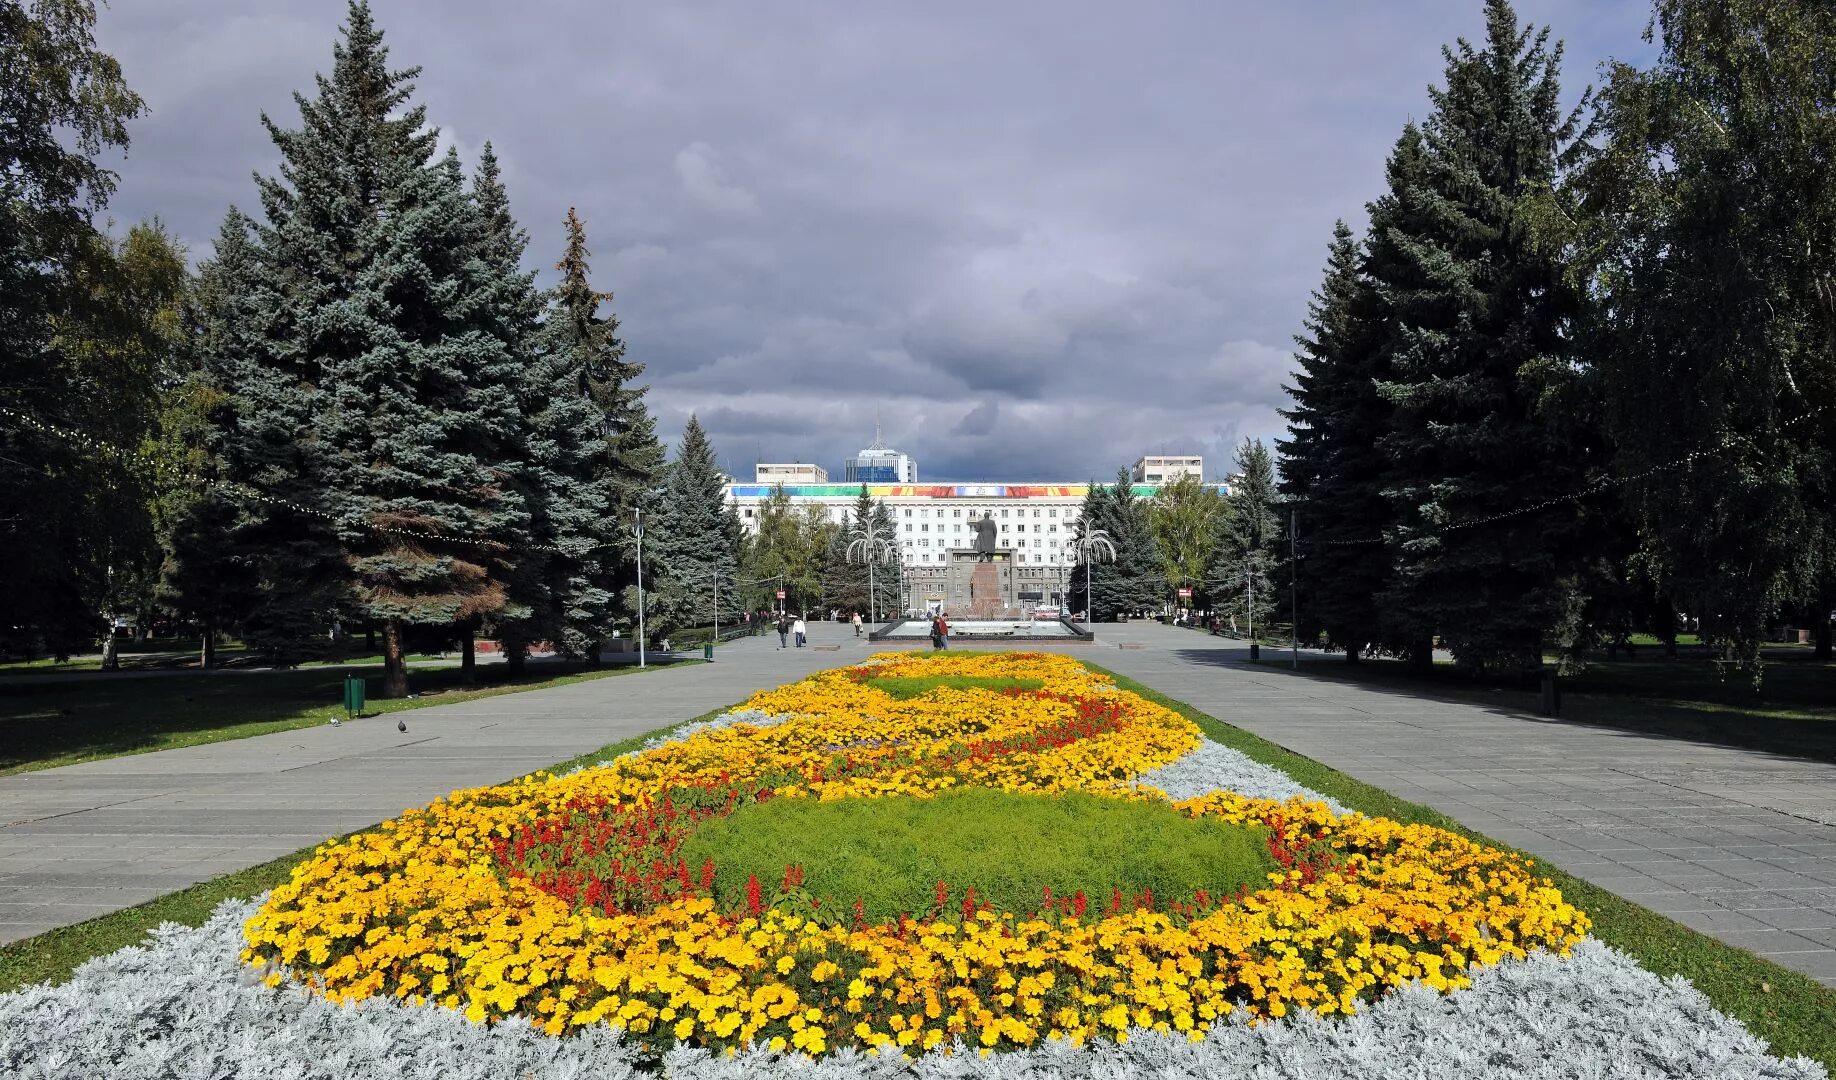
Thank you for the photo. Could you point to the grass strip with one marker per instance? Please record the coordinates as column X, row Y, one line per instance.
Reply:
column 905, row 687
column 891, row 854
column 54, row 954
column 43, row 726
column 1794, row 1013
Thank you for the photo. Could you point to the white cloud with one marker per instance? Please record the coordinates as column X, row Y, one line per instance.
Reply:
column 699, row 174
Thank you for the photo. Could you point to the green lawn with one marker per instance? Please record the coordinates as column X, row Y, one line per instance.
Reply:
column 178, row 654
column 46, row 724
column 1686, row 698
column 1790, row 1011
column 891, row 853
column 903, row 687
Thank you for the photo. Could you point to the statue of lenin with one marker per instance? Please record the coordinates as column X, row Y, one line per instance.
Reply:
column 985, row 537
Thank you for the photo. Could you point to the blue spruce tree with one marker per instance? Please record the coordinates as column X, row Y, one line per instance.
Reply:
column 390, row 363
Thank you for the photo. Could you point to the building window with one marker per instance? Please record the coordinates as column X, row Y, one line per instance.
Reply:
column 1004, row 526
column 748, row 513
column 1051, row 528
column 908, row 542
column 908, row 511
column 1035, row 513
column 908, row 528
column 926, row 527
column 1051, row 513
column 1003, row 513
column 956, row 513
column 924, row 542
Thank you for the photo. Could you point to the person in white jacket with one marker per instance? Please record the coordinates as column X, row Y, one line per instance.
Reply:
column 797, row 629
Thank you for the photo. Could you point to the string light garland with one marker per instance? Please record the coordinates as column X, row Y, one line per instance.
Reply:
column 244, row 491
column 1587, row 492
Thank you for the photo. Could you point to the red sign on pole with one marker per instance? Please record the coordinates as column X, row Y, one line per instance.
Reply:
column 1185, row 594
column 780, row 594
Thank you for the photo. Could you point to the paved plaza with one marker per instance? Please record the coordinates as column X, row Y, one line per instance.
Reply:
column 1736, row 843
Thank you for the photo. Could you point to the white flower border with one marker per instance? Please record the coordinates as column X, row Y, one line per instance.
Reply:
column 184, row 1006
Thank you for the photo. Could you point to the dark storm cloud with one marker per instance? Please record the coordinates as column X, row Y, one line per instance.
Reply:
column 1032, row 241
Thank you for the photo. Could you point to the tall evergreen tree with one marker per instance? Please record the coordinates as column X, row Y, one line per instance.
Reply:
column 1250, row 541
column 1134, row 580
column 888, row 578
column 1478, row 303
column 1330, row 470
column 845, row 580
column 277, row 540
column 633, row 460
column 559, row 586
column 394, row 351
column 1718, row 342
column 697, row 538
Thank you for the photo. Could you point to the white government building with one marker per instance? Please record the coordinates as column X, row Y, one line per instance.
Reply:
column 1034, row 520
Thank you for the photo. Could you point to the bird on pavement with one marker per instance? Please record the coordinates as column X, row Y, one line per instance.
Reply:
column 401, row 725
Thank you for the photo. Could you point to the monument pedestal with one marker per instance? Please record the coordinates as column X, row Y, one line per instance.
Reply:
column 978, row 589
column 985, row 600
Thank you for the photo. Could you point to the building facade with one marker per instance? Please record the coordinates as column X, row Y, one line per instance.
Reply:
column 881, row 464
column 1163, row 469
column 789, row 473
column 1033, row 523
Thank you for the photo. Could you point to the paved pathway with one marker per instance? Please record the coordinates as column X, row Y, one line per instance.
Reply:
column 1736, row 843
column 84, row 840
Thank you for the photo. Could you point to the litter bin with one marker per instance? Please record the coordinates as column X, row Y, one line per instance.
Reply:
column 353, row 695
column 707, row 650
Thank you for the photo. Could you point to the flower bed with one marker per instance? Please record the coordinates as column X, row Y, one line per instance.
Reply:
column 561, row 901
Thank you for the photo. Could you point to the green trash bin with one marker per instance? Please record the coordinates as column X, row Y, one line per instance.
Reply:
column 707, row 650
column 353, row 695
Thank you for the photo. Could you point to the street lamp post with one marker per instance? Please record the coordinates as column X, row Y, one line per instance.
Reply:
column 872, row 544
column 637, row 529
column 1090, row 547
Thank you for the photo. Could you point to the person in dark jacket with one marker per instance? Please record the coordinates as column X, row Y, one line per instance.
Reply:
column 783, row 631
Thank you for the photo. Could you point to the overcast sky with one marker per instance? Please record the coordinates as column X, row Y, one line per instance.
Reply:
column 1036, row 240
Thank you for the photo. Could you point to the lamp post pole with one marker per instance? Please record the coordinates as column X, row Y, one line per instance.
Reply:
column 1249, row 580
column 872, row 545
column 1294, row 589
column 1091, row 546
column 637, row 528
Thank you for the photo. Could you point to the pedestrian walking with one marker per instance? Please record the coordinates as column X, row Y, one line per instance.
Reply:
column 940, row 632
column 857, row 624
column 784, row 627
column 798, row 629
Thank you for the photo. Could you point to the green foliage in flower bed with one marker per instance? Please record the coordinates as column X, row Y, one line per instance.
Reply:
column 920, row 685
column 891, row 853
